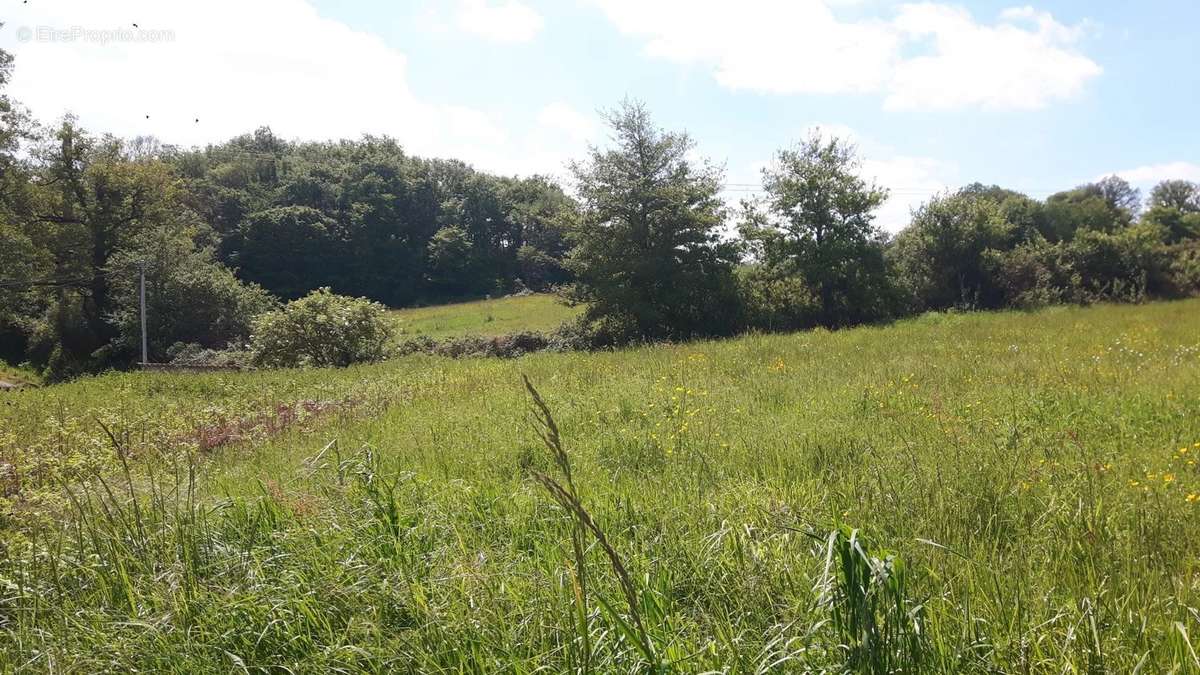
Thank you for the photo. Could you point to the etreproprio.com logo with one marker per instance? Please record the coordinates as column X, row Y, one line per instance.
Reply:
column 101, row 36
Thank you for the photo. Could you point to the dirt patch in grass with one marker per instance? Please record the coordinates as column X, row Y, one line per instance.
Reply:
column 282, row 417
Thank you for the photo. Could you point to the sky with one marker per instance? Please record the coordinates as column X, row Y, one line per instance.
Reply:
column 1038, row 97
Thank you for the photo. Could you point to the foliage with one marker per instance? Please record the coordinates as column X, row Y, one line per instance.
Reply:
column 646, row 252
column 818, row 226
column 1175, row 207
column 189, row 297
column 776, row 302
column 1128, row 265
column 365, row 218
column 879, row 626
column 1106, row 206
column 285, row 249
column 648, row 259
column 322, row 329
column 1185, row 270
column 1176, row 194
column 1035, row 274
column 1005, row 460
column 450, row 260
column 939, row 258
column 508, row 346
column 194, row 355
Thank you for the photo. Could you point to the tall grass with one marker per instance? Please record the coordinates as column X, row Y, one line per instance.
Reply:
column 959, row 493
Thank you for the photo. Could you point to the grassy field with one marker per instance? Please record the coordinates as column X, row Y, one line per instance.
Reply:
column 538, row 312
column 16, row 375
column 1012, row 492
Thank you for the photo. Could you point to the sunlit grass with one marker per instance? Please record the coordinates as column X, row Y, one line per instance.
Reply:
column 1011, row 492
column 18, row 375
column 537, row 312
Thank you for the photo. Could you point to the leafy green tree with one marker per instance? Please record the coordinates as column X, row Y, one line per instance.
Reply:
column 380, row 209
column 543, row 215
column 1027, row 216
column 91, row 199
column 190, row 298
column 537, row 269
column 1176, row 194
column 1105, row 206
column 939, row 257
column 1175, row 207
column 1119, row 194
column 451, row 260
column 288, row 250
column 819, row 226
column 649, row 261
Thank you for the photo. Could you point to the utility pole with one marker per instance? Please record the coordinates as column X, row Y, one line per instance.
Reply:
column 142, row 279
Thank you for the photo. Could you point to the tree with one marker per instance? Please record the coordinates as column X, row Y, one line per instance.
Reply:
column 289, row 250
column 1119, row 194
column 649, row 261
column 1176, row 194
column 190, row 298
column 90, row 199
column 1175, row 208
column 1175, row 224
column 450, row 264
column 819, row 226
column 1106, row 206
column 939, row 257
column 543, row 215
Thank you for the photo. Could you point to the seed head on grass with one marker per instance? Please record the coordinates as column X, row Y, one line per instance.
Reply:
column 568, row 498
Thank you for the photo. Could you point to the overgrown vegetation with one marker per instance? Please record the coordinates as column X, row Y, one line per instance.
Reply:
column 970, row 492
column 643, row 250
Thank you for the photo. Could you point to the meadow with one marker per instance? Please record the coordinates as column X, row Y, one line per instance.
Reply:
column 987, row 492
column 495, row 316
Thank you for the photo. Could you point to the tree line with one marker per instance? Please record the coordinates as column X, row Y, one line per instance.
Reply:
column 652, row 258
column 644, row 239
column 228, row 231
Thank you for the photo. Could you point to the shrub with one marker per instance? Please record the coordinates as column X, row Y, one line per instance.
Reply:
column 322, row 329
column 194, row 355
column 1126, row 265
column 539, row 270
column 1123, row 266
column 939, row 258
column 1032, row 275
column 572, row 336
column 774, row 302
column 1184, row 270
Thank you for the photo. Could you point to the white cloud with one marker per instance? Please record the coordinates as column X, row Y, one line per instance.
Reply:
column 562, row 118
column 236, row 65
column 1001, row 66
column 505, row 21
column 763, row 45
column 1153, row 174
column 928, row 56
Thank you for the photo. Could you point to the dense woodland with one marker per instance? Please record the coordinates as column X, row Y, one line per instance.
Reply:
column 643, row 239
